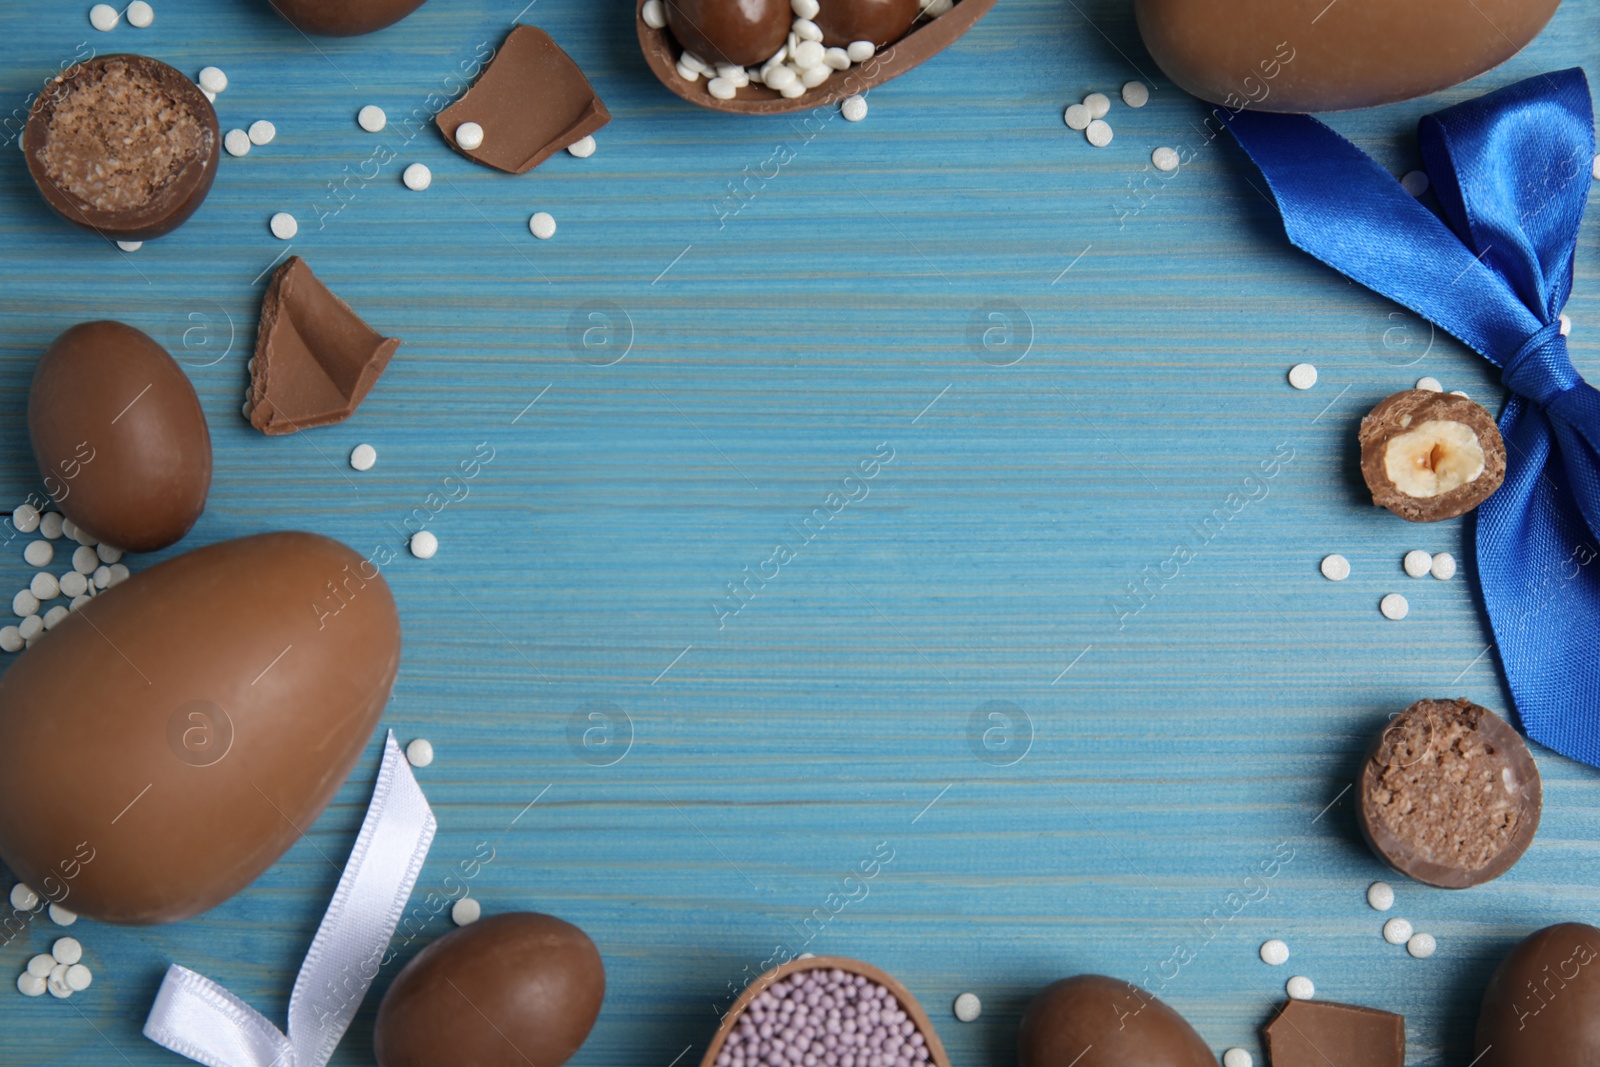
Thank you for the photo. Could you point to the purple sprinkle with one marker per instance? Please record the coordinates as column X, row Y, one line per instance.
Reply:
column 824, row 1019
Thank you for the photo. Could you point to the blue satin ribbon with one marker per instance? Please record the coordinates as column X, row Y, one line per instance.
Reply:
column 1512, row 173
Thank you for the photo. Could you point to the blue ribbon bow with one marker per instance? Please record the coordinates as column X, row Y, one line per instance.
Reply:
column 1512, row 173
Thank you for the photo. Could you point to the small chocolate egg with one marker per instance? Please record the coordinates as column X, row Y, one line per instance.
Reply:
column 1093, row 1021
column 880, row 21
column 343, row 18
column 167, row 741
column 119, row 436
column 507, row 991
column 1312, row 55
column 745, row 33
column 1542, row 1007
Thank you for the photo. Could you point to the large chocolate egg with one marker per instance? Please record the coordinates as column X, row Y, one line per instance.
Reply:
column 169, row 740
column 1093, row 1021
column 1542, row 1007
column 119, row 436
column 880, row 21
column 343, row 18
column 745, row 33
column 1312, row 55
column 507, row 991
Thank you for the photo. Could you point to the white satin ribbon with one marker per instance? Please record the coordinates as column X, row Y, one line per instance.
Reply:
column 195, row 1017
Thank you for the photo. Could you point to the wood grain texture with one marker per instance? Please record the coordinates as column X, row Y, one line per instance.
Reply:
column 768, row 326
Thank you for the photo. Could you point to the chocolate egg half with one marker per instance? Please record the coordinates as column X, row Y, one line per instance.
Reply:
column 1542, row 1007
column 1094, row 1021
column 343, row 18
column 507, row 991
column 745, row 33
column 880, row 21
column 119, row 436
column 1312, row 55
column 169, row 740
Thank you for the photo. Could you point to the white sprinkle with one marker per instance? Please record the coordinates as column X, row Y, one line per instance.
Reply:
column 262, row 132
column 469, row 136
column 284, row 226
column 1444, row 567
column 79, row 978
column 582, row 149
column 1077, row 117
column 212, row 80
column 1335, row 567
column 101, row 577
column 1422, row 945
column 1397, row 931
column 1300, row 988
column 42, row 964
column 1165, row 160
column 1237, row 1057
column 104, row 17
column 806, row 30
column 837, row 58
column 1418, row 563
column 1099, row 105
column 11, row 639
column 809, row 54
column 1394, row 607
column 654, row 14
column 57, row 982
column 130, row 246
column 1274, row 953
column 39, row 553
column 854, row 108
column 465, row 911
column 1099, row 133
column 812, row 77
column 24, row 604
column 1461, row 393
column 119, row 574
column 1302, row 376
column 1430, row 385
column 78, row 602
column 50, row 524
column 372, row 118
column 1566, row 324
column 1595, row 170
column 424, row 545
column 74, row 584
column 30, row 985
column 968, row 1007
column 140, row 15
column 25, row 518
column 420, row 752
column 44, row 586
column 1135, row 94
column 236, row 143
column 362, row 457
column 722, row 88
column 695, row 63
column 67, row 950
column 542, row 225
column 77, row 533
column 796, row 88
column 53, row 617
column 107, row 553
column 30, row 627
column 779, row 76
column 860, row 51
column 688, row 74
column 1381, row 896
column 1415, row 182
column 805, row 9
column 61, row 916
column 69, row 528
column 417, row 177
column 209, row 95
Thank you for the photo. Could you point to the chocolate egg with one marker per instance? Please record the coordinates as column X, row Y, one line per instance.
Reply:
column 119, row 436
column 1542, row 1007
column 745, row 33
column 1310, row 55
column 507, row 991
column 1093, row 1021
column 879, row 21
column 170, row 739
column 343, row 18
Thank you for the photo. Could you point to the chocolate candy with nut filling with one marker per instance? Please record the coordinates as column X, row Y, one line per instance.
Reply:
column 1449, row 794
column 1316, row 1033
column 1428, row 456
column 745, row 33
column 1094, row 1021
column 880, row 21
column 167, row 742
column 1310, row 55
column 1542, row 1007
column 119, row 436
column 507, row 991
column 343, row 18
column 123, row 145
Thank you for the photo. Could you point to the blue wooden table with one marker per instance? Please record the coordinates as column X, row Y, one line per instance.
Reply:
column 1057, row 363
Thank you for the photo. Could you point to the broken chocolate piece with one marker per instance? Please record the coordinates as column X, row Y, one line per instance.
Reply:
column 1316, row 1033
column 1449, row 794
column 315, row 359
column 532, row 101
column 123, row 145
column 1429, row 456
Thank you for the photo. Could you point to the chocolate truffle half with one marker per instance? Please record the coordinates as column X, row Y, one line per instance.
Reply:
column 1428, row 456
column 1449, row 794
column 123, row 145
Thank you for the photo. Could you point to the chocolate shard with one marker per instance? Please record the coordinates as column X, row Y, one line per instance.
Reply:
column 532, row 101
column 1316, row 1033
column 316, row 360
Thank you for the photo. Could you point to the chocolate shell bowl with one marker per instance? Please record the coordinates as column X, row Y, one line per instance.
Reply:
column 926, row 39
